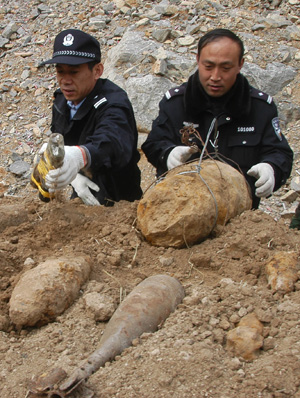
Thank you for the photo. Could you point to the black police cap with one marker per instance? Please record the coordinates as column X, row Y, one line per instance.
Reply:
column 74, row 47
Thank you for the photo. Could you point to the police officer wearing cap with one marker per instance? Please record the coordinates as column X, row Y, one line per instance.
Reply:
column 97, row 121
column 218, row 109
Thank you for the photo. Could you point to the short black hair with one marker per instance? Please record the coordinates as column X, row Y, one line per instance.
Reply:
column 92, row 64
column 217, row 34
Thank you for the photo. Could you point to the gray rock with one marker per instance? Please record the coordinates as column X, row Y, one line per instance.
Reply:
column 275, row 20
column 108, row 7
column 9, row 30
column 119, row 31
column 99, row 22
column 19, row 167
column 27, row 40
column 15, row 157
column 3, row 42
column 257, row 27
column 25, row 74
column 145, row 93
column 44, row 9
column 295, row 184
column 270, row 80
column 130, row 50
column 217, row 6
column 288, row 111
column 192, row 29
column 161, row 35
column 133, row 49
column 165, row 8
column 293, row 32
column 180, row 66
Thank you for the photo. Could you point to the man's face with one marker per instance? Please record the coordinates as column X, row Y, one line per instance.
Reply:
column 218, row 66
column 77, row 81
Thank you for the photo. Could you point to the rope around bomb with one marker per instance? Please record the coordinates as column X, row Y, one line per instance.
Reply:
column 188, row 133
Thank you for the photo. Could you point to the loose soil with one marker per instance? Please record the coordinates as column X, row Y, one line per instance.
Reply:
column 224, row 276
column 224, row 279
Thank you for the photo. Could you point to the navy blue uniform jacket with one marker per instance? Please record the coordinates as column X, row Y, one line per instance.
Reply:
column 246, row 131
column 105, row 125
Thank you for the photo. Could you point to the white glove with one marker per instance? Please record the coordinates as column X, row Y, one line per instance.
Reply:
column 82, row 186
column 179, row 155
column 265, row 183
column 74, row 161
column 43, row 148
column 39, row 154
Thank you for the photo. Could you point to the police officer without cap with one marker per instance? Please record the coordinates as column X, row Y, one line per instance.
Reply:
column 97, row 121
column 243, row 121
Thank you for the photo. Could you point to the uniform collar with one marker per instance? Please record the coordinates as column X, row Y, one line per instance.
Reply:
column 236, row 102
column 75, row 107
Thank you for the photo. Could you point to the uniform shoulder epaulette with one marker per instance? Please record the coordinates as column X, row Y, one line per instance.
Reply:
column 261, row 95
column 175, row 91
column 99, row 101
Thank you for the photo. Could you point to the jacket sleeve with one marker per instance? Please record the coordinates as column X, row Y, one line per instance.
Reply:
column 275, row 148
column 114, row 138
column 163, row 137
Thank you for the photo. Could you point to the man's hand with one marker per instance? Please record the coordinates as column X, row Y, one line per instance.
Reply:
column 265, row 183
column 74, row 160
column 179, row 155
column 82, row 186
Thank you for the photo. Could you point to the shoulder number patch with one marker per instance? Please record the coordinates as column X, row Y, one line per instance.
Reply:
column 276, row 127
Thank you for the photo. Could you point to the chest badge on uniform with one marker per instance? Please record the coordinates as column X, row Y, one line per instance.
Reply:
column 276, row 127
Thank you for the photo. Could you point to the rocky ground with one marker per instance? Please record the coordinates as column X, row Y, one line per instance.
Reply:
column 224, row 277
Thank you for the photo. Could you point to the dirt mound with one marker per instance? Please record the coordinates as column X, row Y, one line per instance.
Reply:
column 224, row 279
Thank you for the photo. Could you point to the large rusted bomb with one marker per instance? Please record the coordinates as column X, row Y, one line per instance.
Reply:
column 46, row 291
column 144, row 310
column 185, row 206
